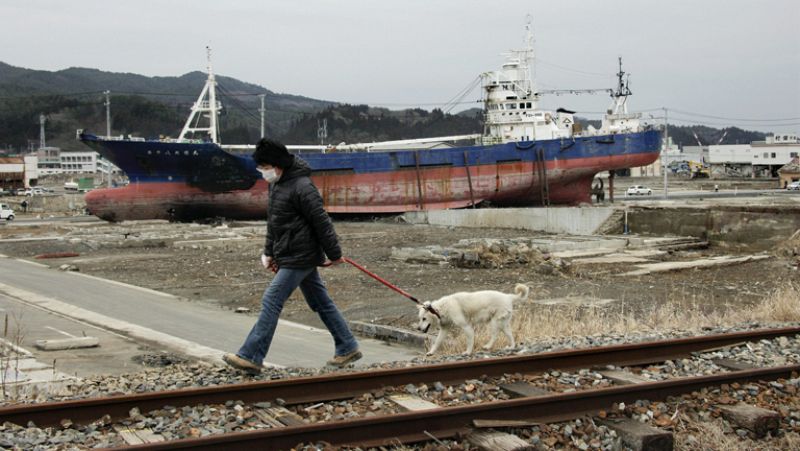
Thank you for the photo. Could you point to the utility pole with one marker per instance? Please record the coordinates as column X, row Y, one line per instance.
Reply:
column 262, row 111
column 664, row 154
column 108, row 113
column 322, row 131
column 42, row 119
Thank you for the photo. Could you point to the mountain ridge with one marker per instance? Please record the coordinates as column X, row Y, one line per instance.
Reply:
column 146, row 106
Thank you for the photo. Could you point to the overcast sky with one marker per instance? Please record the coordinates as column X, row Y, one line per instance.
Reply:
column 715, row 62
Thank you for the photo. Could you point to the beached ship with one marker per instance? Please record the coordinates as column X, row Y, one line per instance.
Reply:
column 524, row 157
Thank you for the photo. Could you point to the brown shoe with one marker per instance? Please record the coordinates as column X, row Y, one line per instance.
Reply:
column 241, row 363
column 342, row 360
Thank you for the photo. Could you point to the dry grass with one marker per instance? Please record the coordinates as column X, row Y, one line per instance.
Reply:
column 534, row 322
column 782, row 305
column 691, row 434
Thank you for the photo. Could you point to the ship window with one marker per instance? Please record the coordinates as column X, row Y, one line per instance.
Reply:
column 529, row 104
column 792, row 154
column 513, row 106
column 521, row 105
column 773, row 154
column 766, row 155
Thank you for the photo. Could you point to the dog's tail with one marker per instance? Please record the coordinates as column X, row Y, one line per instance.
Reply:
column 522, row 291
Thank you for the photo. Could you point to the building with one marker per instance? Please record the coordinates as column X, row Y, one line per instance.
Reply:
column 78, row 162
column 18, row 172
column 790, row 172
column 773, row 153
column 49, row 160
column 731, row 160
column 757, row 159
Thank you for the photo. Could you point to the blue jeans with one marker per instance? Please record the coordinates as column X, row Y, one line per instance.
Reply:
column 257, row 343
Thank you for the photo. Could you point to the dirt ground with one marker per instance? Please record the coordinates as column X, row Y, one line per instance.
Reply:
column 232, row 276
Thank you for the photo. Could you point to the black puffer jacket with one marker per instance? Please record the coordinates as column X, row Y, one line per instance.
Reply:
column 299, row 232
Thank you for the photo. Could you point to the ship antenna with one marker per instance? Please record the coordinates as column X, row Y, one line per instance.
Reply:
column 529, row 54
column 622, row 82
column 202, row 107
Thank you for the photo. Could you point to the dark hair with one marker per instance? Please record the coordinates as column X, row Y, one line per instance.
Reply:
column 272, row 153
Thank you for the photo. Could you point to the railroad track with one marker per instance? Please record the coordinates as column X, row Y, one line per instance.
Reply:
column 414, row 426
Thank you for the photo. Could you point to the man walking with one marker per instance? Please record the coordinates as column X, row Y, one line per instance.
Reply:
column 299, row 237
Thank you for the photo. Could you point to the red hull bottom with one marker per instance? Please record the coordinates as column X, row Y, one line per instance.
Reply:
column 511, row 184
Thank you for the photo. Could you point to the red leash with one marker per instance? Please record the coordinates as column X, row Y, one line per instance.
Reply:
column 426, row 306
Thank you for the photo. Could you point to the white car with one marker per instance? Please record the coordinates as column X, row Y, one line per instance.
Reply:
column 6, row 212
column 793, row 186
column 34, row 191
column 637, row 190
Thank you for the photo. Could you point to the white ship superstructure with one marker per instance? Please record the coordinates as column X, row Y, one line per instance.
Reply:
column 512, row 111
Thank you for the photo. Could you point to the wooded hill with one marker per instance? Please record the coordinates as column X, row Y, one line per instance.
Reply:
column 150, row 107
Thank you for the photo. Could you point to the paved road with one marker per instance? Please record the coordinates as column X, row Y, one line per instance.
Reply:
column 190, row 327
column 28, row 324
column 658, row 194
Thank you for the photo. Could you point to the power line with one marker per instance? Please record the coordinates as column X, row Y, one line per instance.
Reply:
column 689, row 113
column 569, row 69
column 729, row 124
column 69, row 94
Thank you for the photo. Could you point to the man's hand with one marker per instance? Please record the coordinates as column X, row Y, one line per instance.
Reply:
column 333, row 262
column 269, row 263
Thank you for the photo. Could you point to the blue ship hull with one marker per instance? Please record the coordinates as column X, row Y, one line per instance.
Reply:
column 193, row 180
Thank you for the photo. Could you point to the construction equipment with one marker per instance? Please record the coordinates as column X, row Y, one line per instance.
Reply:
column 699, row 170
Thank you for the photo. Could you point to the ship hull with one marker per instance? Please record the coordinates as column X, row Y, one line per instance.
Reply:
column 186, row 181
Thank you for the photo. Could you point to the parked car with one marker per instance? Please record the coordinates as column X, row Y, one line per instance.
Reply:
column 6, row 212
column 795, row 186
column 20, row 191
column 34, row 191
column 638, row 190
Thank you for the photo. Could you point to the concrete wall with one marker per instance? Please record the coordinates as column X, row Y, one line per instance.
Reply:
column 570, row 220
column 756, row 228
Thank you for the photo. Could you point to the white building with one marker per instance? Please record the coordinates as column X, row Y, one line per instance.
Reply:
column 31, row 169
column 757, row 159
column 49, row 160
column 698, row 154
column 78, row 162
column 774, row 152
column 18, row 172
column 731, row 160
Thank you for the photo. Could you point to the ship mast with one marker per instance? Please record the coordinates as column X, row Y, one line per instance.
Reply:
column 206, row 106
column 621, row 94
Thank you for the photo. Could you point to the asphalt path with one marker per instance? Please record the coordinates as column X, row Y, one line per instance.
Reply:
column 658, row 194
column 191, row 328
column 26, row 324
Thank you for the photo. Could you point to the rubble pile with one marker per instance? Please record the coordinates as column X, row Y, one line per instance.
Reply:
column 482, row 253
column 790, row 248
column 496, row 254
column 155, row 234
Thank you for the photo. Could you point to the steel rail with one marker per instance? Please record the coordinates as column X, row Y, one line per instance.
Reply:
column 347, row 385
column 447, row 421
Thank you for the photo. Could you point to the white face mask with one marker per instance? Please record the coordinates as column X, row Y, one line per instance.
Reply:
column 269, row 174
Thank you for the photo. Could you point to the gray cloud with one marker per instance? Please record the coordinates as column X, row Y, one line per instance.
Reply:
column 729, row 59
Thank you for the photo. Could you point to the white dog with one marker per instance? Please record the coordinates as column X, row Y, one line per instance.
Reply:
column 464, row 310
